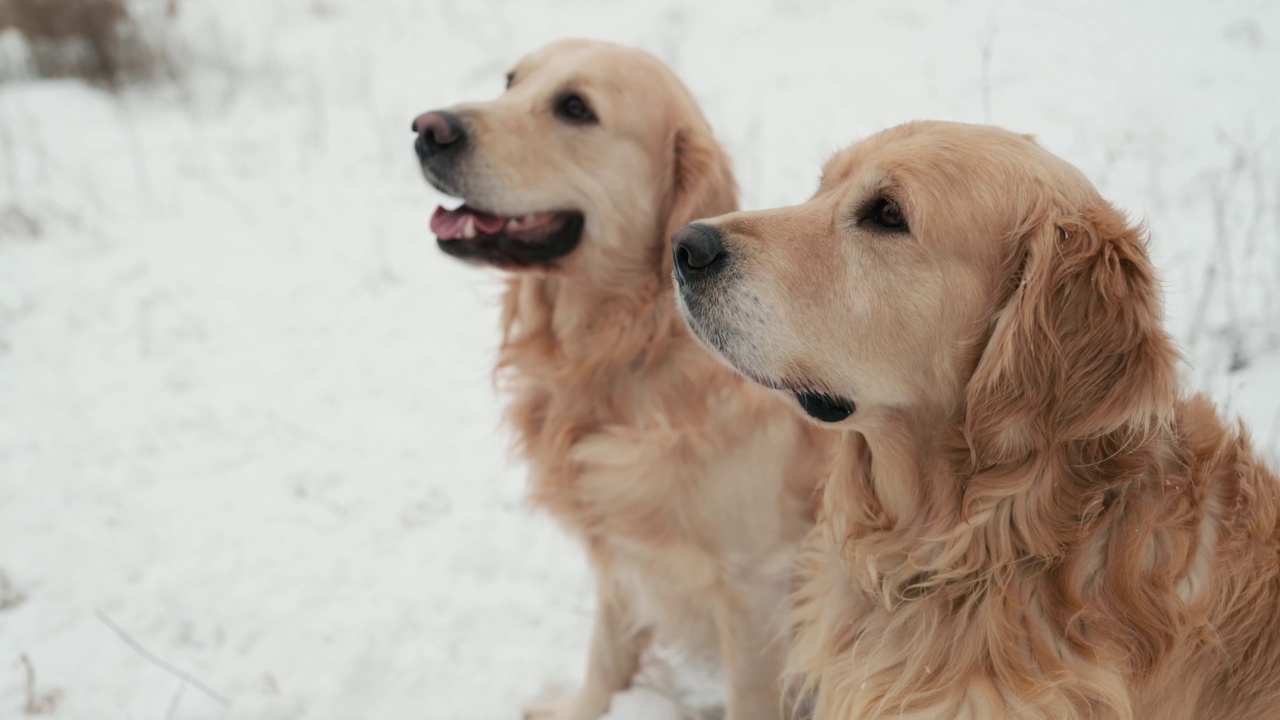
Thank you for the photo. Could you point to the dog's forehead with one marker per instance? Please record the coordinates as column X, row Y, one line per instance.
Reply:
column 840, row 166
column 580, row 62
column 876, row 155
column 630, row 89
column 930, row 156
column 860, row 168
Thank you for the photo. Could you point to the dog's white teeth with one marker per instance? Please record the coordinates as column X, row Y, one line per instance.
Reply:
column 524, row 222
column 469, row 230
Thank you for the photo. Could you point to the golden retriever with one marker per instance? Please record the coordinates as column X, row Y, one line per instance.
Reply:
column 690, row 488
column 1026, row 518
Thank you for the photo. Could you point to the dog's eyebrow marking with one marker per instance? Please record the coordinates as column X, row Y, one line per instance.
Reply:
column 576, row 85
column 835, row 174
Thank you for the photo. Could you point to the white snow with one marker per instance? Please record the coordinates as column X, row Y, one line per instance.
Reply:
column 245, row 410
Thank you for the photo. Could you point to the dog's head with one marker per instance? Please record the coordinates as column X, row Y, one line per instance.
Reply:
column 591, row 146
column 939, row 265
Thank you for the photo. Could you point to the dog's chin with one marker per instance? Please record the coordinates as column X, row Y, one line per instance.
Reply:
column 729, row 348
column 716, row 339
column 822, row 407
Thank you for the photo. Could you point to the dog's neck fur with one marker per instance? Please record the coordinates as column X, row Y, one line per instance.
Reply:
column 921, row 484
column 578, row 356
column 570, row 333
column 933, row 545
column 929, row 534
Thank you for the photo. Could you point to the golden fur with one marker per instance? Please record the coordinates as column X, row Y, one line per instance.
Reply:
column 690, row 488
column 1026, row 518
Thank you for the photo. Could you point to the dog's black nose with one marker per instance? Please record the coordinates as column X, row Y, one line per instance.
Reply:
column 698, row 251
column 438, row 132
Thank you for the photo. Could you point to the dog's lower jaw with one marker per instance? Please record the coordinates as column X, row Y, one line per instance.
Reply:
column 819, row 406
column 712, row 335
column 500, row 250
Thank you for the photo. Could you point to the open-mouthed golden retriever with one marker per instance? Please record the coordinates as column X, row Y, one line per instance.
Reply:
column 1026, row 518
column 690, row 488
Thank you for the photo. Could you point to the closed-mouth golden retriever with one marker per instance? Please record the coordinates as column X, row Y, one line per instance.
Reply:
column 690, row 488
column 1027, row 518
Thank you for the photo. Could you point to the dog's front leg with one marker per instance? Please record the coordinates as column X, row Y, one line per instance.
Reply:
column 612, row 663
column 753, row 657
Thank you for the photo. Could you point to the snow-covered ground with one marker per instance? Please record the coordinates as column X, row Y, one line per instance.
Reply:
column 245, row 411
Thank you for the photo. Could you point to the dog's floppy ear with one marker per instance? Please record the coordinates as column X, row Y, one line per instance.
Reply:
column 1078, row 351
column 702, row 183
column 1069, row 412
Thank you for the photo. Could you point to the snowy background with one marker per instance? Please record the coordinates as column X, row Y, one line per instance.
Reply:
column 245, row 411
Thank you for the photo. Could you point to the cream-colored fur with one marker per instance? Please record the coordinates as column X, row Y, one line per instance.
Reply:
column 690, row 488
column 1027, row 518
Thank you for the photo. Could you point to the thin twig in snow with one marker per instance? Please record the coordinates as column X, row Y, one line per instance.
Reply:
column 171, row 712
column 1221, row 189
column 151, row 657
column 36, row 704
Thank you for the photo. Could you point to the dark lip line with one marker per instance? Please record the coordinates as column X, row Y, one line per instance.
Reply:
column 487, row 211
column 823, row 395
column 825, row 408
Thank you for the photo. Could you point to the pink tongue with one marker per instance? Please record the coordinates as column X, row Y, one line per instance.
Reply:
column 449, row 224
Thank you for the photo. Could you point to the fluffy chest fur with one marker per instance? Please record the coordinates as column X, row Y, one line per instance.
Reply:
column 1161, row 601
column 688, row 485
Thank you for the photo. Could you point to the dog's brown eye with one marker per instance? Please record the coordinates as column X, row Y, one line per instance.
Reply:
column 574, row 109
column 885, row 214
column 511, row 77
column 889, row 214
